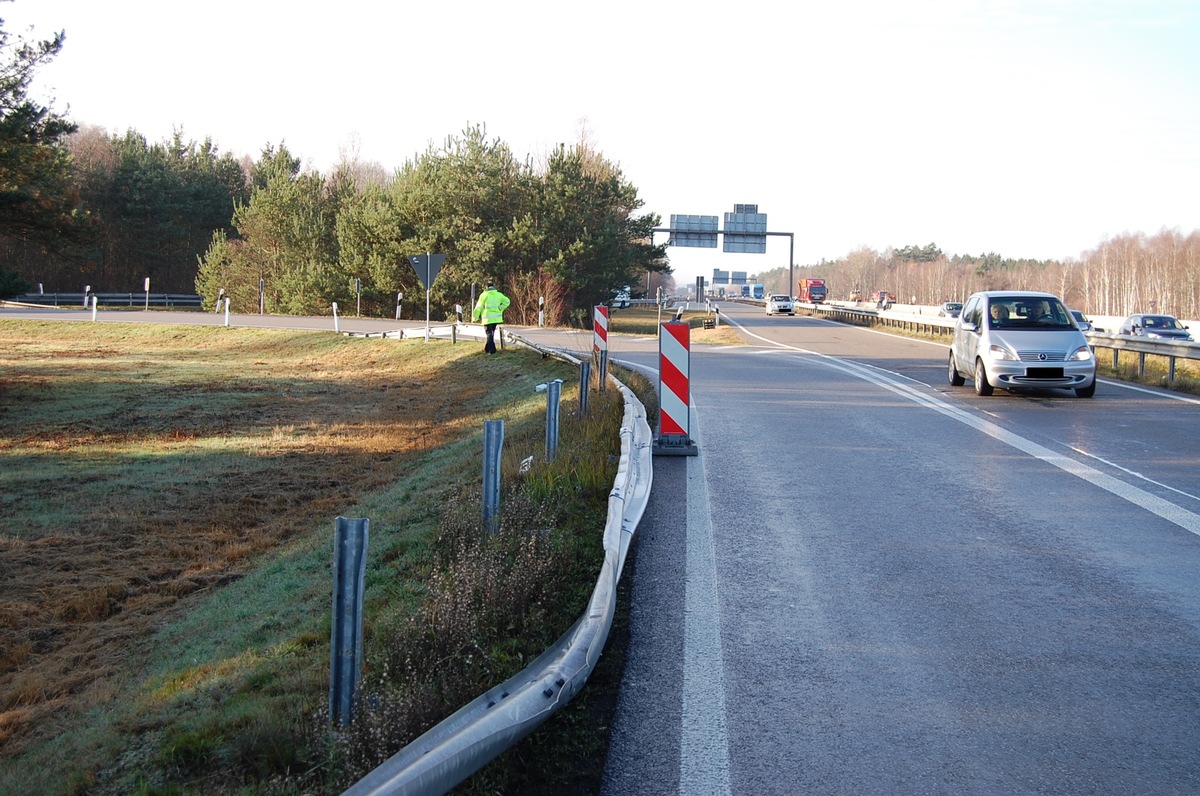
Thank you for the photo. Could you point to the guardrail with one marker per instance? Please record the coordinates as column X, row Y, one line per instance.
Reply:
column 485, row 727
column 1171, row 349
column 169, row 300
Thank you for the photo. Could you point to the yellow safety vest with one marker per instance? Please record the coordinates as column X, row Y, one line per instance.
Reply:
column 491, row 307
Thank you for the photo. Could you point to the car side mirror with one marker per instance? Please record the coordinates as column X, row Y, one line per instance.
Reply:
column 968, row 326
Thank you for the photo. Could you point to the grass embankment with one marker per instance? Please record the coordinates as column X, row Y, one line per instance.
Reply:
column 169, row 496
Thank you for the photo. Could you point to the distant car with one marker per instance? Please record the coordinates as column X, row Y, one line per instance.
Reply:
column 778, row 304
column 1082, row 322
column 1155, row 327
column 950, row 309
column 1015, row 339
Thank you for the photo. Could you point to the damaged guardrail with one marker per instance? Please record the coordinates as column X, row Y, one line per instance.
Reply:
column 482, row 729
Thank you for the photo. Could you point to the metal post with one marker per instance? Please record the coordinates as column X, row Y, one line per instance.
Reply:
column 335, row 318
column 541, row 311
column 399, row 304
column 262, row 292
column 220, row 299
column 428, row 287
column 226, row 311
column 585, row 384
column 602, row 373
column 87, row 291
column 349, row 579
column 357, row 298
column 553, row 392
column 147, row 293
column 493, row 444
column 93, row 306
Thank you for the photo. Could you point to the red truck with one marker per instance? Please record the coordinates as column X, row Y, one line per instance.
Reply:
column 812, row 291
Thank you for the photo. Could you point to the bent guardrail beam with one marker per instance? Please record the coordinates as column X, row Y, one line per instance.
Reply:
column 482, row 729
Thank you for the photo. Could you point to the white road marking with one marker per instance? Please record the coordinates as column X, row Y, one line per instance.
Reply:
column 704, row 737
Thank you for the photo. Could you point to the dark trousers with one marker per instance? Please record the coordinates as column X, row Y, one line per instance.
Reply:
column 490, row 345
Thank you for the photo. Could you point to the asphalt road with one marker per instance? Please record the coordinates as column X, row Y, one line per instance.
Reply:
column 871, row 582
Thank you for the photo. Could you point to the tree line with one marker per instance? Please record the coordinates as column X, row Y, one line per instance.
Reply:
column 564, row 232
column 1131, row 272
column 81, row 207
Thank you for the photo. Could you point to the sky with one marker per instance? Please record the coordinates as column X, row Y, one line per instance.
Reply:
column 1028, row 128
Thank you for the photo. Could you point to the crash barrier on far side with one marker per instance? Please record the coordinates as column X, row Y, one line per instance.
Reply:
column 1172, row 350
column 485, row 727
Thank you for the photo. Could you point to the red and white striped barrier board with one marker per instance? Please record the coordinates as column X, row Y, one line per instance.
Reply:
column 674, row 364
column 600, row 327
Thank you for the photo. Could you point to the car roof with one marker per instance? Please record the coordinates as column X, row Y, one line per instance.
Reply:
column 1015, row 294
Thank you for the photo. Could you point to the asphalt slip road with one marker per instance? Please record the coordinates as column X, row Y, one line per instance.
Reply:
column 869, row 582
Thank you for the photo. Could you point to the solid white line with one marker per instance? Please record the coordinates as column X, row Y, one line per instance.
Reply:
column 1185, row 519
column 704, row 738
column 1174, row 396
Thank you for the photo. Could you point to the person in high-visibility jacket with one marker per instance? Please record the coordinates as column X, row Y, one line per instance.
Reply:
column 490, row 309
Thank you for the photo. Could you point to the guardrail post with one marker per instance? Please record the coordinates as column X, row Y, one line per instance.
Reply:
column 553, row 392
column 585, row 384
column 493, row 443
column 601, row 369
column 349, row 578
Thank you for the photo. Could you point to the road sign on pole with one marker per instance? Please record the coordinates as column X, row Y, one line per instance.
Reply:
column 427, row 267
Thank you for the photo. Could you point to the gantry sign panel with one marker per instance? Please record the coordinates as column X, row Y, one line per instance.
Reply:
column 695, row 231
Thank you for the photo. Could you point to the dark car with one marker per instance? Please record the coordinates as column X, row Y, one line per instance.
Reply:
column 1156, row 327
column 1082, row 322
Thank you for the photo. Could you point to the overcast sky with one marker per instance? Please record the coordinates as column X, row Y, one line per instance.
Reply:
column 1029, row 128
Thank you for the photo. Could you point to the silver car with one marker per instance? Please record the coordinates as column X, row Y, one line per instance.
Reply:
column 1014, row 339
column 779, row 303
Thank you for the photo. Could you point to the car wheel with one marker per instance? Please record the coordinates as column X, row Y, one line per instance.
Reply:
column 1086, row 392
column 982, row 385
column 956, row 378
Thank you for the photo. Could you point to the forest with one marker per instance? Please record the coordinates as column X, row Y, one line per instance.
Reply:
column 79, row 206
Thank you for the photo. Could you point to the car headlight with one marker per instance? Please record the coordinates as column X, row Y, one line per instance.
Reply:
column 1081, row 354
column 1000, row 352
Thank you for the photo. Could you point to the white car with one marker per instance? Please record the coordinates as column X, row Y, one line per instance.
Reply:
column 778, row 304
column 1020, row 339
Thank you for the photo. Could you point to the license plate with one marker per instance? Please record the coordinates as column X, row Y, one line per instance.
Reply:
column 1044, row 373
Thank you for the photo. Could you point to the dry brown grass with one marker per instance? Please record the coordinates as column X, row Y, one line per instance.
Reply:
column 142, row 469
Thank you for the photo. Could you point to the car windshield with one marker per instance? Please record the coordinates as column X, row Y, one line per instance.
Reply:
column 953, row 305
column 1160, row 322
column 1038, row 313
